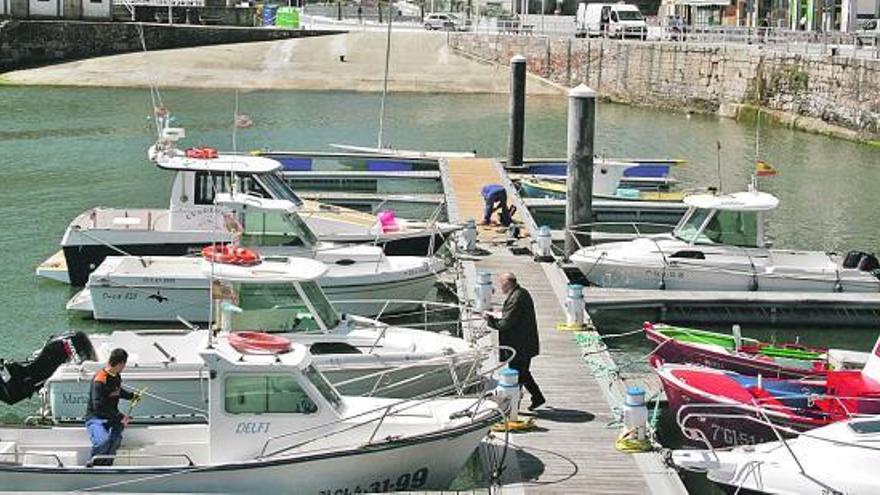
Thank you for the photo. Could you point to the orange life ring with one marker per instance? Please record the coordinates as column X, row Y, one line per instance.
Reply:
column 202, row 153
column 260, row 342
column 232, row 255
column 222, row 254
column 245, row 256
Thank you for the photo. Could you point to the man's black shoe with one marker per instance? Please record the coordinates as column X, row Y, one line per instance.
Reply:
column 536, row 403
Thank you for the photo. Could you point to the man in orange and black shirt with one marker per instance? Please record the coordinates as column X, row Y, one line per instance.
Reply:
column 103, row 419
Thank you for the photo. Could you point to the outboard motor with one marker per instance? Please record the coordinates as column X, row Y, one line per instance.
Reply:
column 19, row 380
column 853, row 258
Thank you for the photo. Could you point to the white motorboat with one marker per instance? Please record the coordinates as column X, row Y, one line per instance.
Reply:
column 192, row 221
column 356, row 273
column 719, row 244
column 278, row 297
column 275, row 425
column 838, row 458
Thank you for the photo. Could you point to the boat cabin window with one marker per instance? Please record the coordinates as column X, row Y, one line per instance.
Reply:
column 274, row 228
column 279, row 308
column 320, row 382
column 268, row 185
column 733, row 228
column 258, row 394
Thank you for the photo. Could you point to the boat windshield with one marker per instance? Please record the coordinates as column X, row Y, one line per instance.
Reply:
column 728, row 227
column 278, row 188
column 319, row 302
column 689, row 229
column 262, row 228
column 324, row 387
column 277, row 308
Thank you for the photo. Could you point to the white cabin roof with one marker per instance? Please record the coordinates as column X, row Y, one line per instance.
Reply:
column 741, row 201
column 298, row 356
column 267, row 272
column 176, row 159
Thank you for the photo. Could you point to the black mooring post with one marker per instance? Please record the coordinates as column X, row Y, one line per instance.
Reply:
column 517, row 111
column 581, row 131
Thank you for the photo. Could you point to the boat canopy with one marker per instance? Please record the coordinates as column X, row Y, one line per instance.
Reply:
column 741, row 201
column 242, row 164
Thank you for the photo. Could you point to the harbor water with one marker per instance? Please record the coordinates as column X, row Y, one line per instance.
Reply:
column 65, row 150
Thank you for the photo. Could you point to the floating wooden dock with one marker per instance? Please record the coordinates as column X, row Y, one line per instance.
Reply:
column 572, row 450
column 784, row 308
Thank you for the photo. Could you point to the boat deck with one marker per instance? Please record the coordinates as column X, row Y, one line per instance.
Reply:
column 571, row 450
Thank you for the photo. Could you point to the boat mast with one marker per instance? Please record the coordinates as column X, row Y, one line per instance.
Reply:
column 385, row 82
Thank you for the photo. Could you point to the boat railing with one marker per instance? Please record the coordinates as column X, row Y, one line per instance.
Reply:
column 473, row 358
column 761, row 406
column 637, row 227
column 380, row 414
column 782, row 433
column 465, row 316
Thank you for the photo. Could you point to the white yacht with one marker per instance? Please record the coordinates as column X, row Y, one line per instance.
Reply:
column 838, row 458
column 191, row 220
column 278, row 297
column 719, row 244
column 275, row 425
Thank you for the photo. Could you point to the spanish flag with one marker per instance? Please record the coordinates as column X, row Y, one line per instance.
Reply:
column 764, row 169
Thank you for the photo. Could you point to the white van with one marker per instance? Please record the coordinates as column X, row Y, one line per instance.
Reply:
column 618, row 20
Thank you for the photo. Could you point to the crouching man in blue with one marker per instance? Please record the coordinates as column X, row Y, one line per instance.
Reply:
column 495, row 198
column 103, row 419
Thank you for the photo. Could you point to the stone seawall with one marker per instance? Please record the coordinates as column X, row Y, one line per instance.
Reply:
column 32, row 43
column 833, row 95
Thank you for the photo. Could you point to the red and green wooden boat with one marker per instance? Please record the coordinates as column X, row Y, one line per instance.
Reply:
column 744, row 355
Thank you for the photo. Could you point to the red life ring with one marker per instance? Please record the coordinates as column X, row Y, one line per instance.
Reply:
column 260, row 342
column 232, row 255
column 202, row 153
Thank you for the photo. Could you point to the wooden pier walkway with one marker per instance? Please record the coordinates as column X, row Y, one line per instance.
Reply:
column 572, row 450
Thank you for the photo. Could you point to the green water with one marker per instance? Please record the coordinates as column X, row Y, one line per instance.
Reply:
column 66, row 150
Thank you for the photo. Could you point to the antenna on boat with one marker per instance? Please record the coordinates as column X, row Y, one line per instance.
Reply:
column 235, row 125
column 758, row 136
column 385, row 82
column 718, row 158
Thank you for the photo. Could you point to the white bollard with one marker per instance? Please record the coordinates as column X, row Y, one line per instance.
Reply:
column 507, row 393
column 575, row 306
column 468, row 239
column 544, row 244
column 483, row 292
column 635, row 413
column 737, row 338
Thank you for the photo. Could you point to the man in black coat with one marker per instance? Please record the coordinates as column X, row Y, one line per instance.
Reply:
column 518, row 328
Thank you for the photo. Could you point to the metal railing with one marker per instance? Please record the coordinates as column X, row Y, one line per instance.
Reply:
column 815, row 43
column 386, row 411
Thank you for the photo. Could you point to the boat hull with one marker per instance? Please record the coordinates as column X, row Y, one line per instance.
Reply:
column 164, row 301
column 611, row 273
column 425, row 462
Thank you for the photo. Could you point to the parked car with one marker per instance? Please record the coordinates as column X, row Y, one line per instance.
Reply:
column 446, row 21
column 869, row 33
